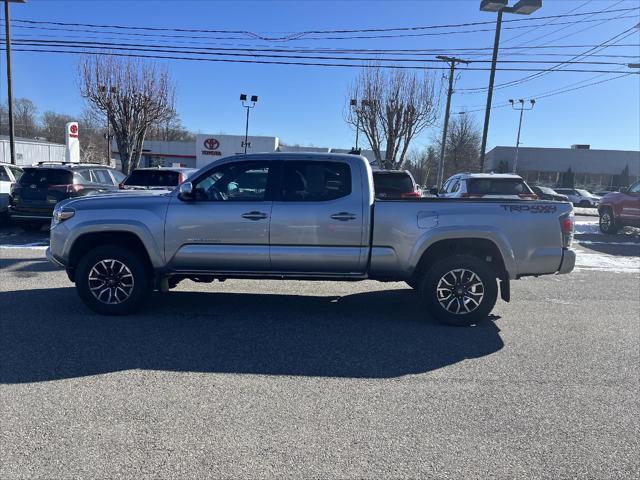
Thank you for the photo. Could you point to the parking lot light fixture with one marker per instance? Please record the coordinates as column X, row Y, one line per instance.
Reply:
column 522, row 7
column 248, row 105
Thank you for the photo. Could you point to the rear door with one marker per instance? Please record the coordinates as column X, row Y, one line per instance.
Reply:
column 317, row 219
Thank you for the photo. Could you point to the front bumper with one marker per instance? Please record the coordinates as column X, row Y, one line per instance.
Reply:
column 53, row 259
column 568, row 261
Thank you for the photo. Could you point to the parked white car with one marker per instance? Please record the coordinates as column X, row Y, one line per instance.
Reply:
column 486, row 185
column 580, row 197
column 9, row 174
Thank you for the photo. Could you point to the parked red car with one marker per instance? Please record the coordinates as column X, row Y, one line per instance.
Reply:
column 620, row 209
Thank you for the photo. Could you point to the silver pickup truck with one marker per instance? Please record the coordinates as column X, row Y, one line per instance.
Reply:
column 310, row 217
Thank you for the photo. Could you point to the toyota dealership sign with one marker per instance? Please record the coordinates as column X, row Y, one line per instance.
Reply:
column 209, row 147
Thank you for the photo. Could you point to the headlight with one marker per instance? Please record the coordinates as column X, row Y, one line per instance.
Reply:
column 62, row 214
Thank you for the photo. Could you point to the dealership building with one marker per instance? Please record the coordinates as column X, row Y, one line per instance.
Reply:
column 208, row 148
column 578, row 166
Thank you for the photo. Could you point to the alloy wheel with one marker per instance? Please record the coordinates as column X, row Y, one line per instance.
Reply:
column 460, row 291
column 111, row 281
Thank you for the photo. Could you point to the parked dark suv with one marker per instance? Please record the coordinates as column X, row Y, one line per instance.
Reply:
column 35, row 195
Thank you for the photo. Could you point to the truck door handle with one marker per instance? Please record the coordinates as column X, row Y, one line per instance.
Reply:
column 255, row 215
column 343, row 216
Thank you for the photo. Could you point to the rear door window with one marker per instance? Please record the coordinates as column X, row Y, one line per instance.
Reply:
column 392, row 183
column 497, row 186
column 102, row 176
column 46, row 176
column 315, row 181
column 153, row 178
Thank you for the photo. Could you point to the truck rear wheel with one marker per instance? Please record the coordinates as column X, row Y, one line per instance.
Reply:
column 111, row 280
column 460, row 290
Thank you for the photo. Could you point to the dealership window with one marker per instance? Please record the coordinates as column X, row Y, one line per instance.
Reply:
column 315, row 181
column 235, row 182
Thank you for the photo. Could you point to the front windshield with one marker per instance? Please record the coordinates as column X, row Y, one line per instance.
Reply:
column 584, row 193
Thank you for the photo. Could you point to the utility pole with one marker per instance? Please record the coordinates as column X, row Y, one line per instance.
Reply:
column 452, row 61
column 522, row 110
column 7, row 30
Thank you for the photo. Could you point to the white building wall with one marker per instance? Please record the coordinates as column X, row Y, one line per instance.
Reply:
column 28, row 152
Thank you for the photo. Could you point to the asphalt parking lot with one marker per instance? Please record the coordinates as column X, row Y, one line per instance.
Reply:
column 253, row 379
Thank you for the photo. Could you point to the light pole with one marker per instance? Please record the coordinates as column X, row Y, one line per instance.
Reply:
column 452, row 61
column 522, row 7
column 354, row 103
column 522, row 110
column 7, row 30
column 248, row 106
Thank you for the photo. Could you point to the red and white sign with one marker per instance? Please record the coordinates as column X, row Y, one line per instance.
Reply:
column 211, row 146
column 72, row 142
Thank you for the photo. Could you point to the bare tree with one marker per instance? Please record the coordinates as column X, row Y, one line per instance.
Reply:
column 52, row 126
column 133, row 94
column 463, row 146
column 25, row 118
column 396, row 105
column 423, row 166
column 170, row 130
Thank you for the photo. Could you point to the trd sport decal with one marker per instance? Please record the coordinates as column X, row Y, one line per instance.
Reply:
column 530, row 208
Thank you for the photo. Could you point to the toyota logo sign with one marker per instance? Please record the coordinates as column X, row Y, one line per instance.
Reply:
column 211, row 144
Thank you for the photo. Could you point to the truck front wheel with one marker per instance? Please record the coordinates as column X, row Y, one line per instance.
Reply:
column 460, row 290
column 111, row 280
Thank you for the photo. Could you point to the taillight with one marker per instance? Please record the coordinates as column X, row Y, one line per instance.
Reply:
column 567, row 226
column 180, row 178
column 528, row 196
column 413, row 194
column 74, row 188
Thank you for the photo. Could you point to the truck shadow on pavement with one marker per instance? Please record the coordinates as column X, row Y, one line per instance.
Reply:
column 378, row 334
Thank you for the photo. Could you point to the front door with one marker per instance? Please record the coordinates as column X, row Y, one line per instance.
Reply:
column 317, row 221
column 225, row 227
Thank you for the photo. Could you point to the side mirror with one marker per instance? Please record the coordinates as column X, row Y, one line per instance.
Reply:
column 186, row 191
column 434, row 191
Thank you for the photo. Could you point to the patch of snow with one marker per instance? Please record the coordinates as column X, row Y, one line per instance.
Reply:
column 25, row 246
column 608, row 263
column 593, row 212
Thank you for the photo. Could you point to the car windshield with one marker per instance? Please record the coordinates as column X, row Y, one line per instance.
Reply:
column 46, row 176
column 397, row 182
column 153, row 178
column 584, row 193
column 497, row 186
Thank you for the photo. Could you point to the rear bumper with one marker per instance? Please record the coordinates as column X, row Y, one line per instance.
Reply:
column 568, row 261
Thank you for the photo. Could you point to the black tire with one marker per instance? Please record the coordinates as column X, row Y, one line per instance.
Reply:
column 585, row 204
column 413, row 284
column 31, row 226
column 608, row 224
column 485, row 295
column 137, row 282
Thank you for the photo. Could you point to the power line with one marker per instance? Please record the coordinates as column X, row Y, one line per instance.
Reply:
column 214, row 52
column 553, row 92
column 558, row 66
column 550, row 22
column 358, row 30
column 297, row 36
column 270, row 62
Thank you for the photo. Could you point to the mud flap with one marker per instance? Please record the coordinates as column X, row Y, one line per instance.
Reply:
column 505, row 288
